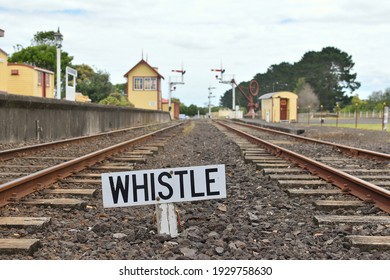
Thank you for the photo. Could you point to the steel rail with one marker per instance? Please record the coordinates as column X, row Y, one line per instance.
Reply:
column 353, row 151
column 11, row 153
column 23, row 186
column 366, row 191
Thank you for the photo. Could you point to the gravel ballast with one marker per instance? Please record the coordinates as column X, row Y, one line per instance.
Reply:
column 257, row 220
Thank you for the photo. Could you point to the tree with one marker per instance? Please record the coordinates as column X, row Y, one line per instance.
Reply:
column 192, row 110
column 44, row 56
column 121, row 88
column 329, row 72
column 44, row 38
column 377, row 99
column 42, row 53
column 116, row 99
column 96, row 85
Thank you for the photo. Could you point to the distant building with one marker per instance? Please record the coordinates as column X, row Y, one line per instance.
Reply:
column 175, row 108
column 144, row 86
column 29, row 80
column 25, row 79
column 279, row 106
column 3, row 71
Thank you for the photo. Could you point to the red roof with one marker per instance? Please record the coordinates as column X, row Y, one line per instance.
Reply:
column 147, row 64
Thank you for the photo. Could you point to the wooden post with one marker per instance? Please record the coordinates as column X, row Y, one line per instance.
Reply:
column 166, row 219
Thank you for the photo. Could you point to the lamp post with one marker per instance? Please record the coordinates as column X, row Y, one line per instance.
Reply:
column 58, row 39
column 337, row 114
column 321, row 120
column 308, row 116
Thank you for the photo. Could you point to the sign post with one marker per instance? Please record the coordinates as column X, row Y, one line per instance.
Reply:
column 70, row 90
column 166, row 219
column 162, row 187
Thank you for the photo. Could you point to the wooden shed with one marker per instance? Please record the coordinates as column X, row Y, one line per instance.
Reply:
column 279, row 106
column 25, row 79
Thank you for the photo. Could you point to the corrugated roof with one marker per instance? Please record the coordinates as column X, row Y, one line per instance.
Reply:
column 271, row 94
column 31, row 66
column 267, row 95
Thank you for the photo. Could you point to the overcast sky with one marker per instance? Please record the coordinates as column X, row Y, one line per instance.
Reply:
column 246, row 36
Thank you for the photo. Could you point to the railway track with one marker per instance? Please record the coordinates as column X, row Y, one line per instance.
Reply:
column 59, row 170
column 261, row 218
column 333, row 180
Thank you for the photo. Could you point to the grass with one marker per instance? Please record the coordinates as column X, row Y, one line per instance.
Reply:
column 188, row 128
column 359, row 126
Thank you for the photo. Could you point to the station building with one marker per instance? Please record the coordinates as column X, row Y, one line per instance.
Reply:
column 29, row 80
column 279, row 106
column 144, row 86
column 175, row 108
column 3, row 71
column 25, row 79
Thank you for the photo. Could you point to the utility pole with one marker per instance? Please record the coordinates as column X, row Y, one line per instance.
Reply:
column 210, row 96
column 232, row 82
column 172, row 86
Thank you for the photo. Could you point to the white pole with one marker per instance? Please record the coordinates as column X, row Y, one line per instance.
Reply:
column 234, row 97
column 170, row 89
column 234, row 100
column 58, row 94
column 209, row 106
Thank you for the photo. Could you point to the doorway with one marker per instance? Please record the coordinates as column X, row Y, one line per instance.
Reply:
column 283, row 109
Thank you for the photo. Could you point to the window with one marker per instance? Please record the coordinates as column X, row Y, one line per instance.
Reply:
column 150, row 83
column 147, row 83
column 47, row 80
column 138, row 83
column 40, row 78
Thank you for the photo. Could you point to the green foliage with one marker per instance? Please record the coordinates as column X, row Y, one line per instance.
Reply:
column 328, row 72
column 42, row 53
column 96, row 85
column 192, row 110
column 116, row 99
column 375, row 102
column 121, row 88
column 44, row 38
column 44, row 56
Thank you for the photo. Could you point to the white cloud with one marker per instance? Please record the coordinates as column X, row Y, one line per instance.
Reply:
column 246, row 36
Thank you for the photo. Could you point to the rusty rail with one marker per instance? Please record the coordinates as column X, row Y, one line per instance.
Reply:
column 364, row 190
column 23, row 186
column 11, row 153
column 353, row 151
